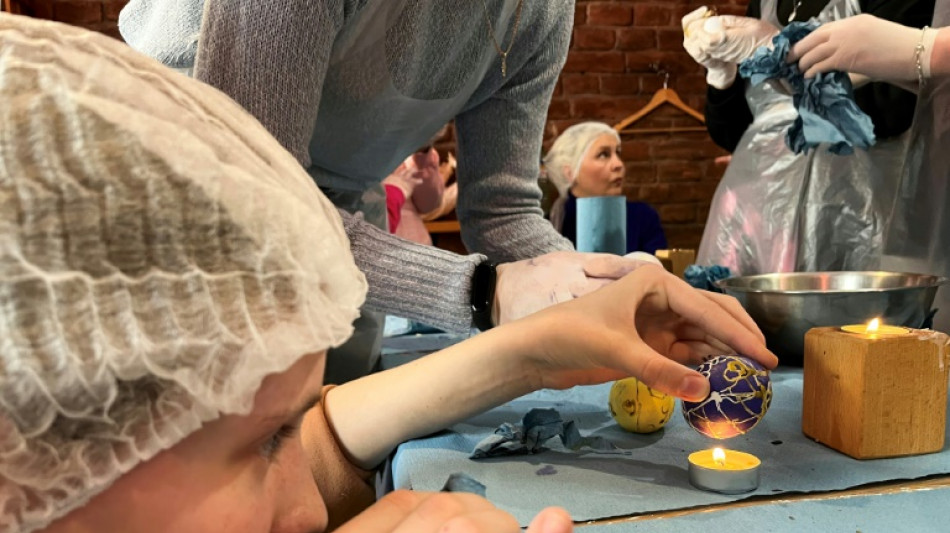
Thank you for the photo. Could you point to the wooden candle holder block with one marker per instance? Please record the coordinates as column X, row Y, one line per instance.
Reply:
column 873, row 397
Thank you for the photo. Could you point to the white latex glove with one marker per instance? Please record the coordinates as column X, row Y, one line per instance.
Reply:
column 863, row 44
column 720, row 43
column 527, row 286
column 719, row 74
column 405, row 179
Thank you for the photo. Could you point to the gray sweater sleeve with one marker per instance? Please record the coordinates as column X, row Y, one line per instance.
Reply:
column 499, row 145
column 273, row 62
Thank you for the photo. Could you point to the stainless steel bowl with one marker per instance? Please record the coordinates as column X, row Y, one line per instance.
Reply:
column 786, row 306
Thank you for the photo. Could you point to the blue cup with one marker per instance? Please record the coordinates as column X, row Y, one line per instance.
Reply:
column 602, row 224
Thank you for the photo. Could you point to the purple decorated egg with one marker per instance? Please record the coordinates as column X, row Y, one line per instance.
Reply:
column 740, row 391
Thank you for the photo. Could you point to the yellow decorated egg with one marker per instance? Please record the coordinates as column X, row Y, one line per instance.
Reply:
column 639, row 408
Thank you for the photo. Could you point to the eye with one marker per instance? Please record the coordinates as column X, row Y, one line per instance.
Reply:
column 271, row 447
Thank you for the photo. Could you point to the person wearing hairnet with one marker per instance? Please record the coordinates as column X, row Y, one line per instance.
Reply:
column 919, row 229
column 164, row 323
column 584, row 161
column 774, row 210
column 351, row 88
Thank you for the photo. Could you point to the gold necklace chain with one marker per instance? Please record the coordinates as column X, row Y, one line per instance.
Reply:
column 514, row 31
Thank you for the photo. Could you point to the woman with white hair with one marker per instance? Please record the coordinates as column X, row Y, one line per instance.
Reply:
column 170, row 282
column 584, row 161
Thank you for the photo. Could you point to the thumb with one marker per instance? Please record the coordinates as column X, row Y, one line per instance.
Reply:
column 551, row 520
column 663, row 374
column 610, row 266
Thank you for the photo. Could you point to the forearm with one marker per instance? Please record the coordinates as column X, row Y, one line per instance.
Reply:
column 372, row 415
column 940, row 56
column 499, row 144
column 423, row 283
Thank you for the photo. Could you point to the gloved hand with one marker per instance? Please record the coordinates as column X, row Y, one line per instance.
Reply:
column 720, row 43
column 405, row 178
column 863, row 44
column 719, row 74
column 527, row 286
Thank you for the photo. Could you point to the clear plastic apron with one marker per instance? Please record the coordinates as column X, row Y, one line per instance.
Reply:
column 776, row 211
column 918, row 238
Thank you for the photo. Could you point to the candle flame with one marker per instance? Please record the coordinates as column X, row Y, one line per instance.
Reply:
column 719, row 456
column 873, row 326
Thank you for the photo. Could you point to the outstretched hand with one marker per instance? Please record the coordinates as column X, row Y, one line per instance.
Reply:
column 426, row 512
column 650, row 324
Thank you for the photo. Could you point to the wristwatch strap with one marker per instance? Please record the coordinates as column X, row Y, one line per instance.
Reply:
column 483, row 295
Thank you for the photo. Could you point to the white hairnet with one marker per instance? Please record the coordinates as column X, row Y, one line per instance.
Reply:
column 564, row 159
column 160, row 254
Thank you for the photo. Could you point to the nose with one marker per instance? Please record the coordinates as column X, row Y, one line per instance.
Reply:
column 616, row 162
column 300, row 506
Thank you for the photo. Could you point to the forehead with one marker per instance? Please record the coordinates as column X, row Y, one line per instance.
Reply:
column 605, row 139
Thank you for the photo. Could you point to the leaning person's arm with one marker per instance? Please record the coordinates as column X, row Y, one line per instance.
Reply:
column 272, row 59
column 499, row 145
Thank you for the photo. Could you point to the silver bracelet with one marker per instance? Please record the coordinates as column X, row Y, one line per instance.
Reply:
column 918, row 55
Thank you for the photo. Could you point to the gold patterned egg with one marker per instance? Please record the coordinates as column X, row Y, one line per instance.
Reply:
column 639, row 408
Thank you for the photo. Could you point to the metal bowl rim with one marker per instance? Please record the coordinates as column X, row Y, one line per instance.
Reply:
column 937, row 281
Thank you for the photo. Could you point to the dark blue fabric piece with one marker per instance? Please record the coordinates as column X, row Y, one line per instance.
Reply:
column 459, row 482
column 644, row 231
column 827, row 112
column 537, row 427
column 705, row 278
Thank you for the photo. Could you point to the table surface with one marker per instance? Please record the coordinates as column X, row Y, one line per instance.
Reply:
column 823, row 490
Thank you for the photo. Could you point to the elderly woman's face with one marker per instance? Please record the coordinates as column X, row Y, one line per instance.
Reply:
column 236, row 474
column 601, row 170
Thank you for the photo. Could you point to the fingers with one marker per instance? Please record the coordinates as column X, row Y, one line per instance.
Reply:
column 663, row 374
column 551, row 520
column 707, row 313
column 811, row 50
column 734, row 308
column 418, row 512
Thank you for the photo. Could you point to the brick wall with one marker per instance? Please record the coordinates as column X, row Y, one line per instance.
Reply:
column 611, row 72
column 99, row 15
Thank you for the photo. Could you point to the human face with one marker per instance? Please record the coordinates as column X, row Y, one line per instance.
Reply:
column 601, row 170
column 237, row 473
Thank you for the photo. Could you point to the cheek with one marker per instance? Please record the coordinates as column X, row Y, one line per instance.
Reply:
column 236, row 499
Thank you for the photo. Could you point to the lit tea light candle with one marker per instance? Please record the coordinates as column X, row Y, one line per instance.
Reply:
column 874, row 329
column 724, row 471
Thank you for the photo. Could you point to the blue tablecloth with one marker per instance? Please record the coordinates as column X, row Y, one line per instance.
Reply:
column 919, row 511
column 649, row 473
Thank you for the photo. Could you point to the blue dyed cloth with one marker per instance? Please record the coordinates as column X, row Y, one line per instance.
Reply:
column 461, row 482
column 827, row 112
column 537, row 427
column 705, row 278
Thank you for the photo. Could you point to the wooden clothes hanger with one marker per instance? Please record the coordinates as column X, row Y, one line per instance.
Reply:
column 661, row 97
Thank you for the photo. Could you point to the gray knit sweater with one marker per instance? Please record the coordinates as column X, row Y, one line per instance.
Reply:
column 274, row 58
